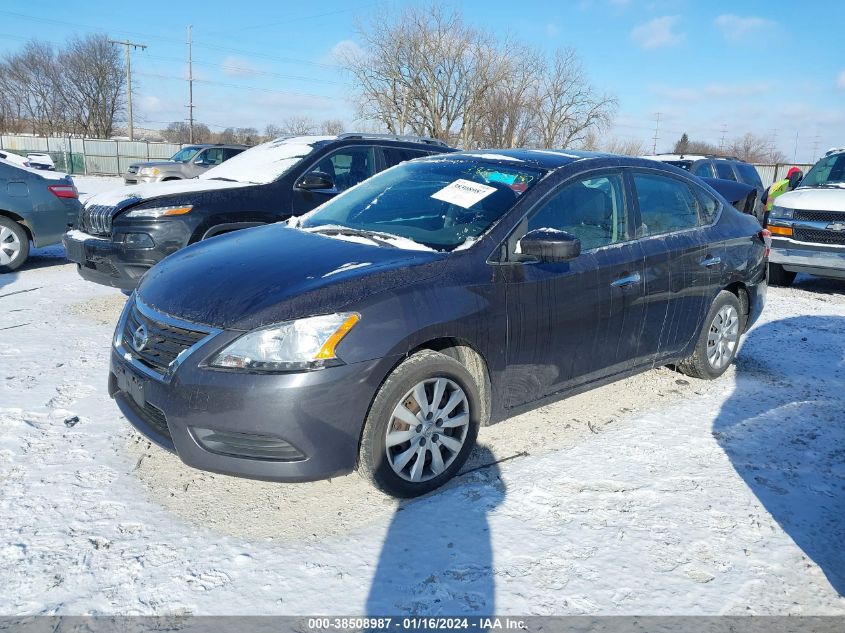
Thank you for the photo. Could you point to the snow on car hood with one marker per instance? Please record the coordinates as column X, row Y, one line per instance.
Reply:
column 266, row 162
column 113, row 197
column 48, row 175
column 814, row 199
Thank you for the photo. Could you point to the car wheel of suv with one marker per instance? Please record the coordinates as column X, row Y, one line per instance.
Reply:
column 421, row 426
column 779, row 276
column 14, row 245
column 718, row 341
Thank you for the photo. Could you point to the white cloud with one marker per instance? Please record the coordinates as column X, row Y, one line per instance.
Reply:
column 238, row 67
column 840, row 81
column 737, row 28
column 658, row 33
column 342, row 50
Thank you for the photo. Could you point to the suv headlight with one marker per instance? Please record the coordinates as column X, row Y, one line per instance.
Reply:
column 294, row 345
column 157, row 212
column 780, row 213
column 149, row 171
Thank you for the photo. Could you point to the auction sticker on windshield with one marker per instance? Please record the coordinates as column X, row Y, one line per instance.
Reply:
column 463, row 193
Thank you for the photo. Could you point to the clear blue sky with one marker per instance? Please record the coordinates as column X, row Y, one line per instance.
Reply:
column 744, row 66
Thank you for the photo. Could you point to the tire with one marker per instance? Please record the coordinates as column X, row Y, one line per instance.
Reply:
column 14, row 245
column 719, row 339
column 397, row 470
column 779, row 276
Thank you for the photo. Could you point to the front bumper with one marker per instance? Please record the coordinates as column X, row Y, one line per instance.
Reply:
column 319, row 413
column 801, row 257
column 109, row 263
column 135, row 179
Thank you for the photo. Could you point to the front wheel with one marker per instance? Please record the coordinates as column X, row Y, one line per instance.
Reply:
column 422, row 425
column 14, row 245
column 719, row 339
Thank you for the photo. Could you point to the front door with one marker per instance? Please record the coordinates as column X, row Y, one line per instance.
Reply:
column 572, row 322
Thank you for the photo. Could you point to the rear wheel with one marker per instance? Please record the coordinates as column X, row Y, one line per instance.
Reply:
column 422, row 425
column 779, row 276
column 14, row 245
column 717, row 344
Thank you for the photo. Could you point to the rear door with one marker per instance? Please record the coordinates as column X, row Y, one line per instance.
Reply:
column 346, row 167
column 682, row 263
column 572, row 322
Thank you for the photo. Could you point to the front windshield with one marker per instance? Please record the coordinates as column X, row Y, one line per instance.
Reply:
column 829, row 170
column 437, row 203
column 185, row 154
column 267, row 162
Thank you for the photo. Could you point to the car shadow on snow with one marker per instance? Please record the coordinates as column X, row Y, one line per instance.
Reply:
column 783, row 429
column 819, row 285
column 38, row 258
column 437, row 555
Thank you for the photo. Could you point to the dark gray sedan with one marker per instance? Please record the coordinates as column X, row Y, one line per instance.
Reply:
column 35, row 206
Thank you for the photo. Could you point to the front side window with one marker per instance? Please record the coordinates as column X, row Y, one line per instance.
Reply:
column 212, row 156
column 666, row 205
column 185, row 154
column 724, row 171
column 591, row 209
column 829, row 170
column 439, row 204
column 348, row 167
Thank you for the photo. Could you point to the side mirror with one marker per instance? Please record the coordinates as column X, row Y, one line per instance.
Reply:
column 315, row 180
column 549, row 245
column 795, row 179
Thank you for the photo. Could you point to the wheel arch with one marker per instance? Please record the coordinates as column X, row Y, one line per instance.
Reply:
column 20, row 220
column 740, row 290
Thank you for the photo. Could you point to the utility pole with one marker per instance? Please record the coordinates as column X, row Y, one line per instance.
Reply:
column 126, row 44
column 190, row 86
column 795, row 151
column 815, row 147
column 656, row 130
column 722, row 140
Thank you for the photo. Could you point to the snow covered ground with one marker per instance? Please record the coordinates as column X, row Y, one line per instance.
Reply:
column 656, row 495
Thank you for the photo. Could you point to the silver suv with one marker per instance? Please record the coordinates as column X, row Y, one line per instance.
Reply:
column 188, row 162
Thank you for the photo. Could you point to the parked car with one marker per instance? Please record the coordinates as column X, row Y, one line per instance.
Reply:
column 188, row 162
column 38, row 160
column 16, row 159
column 35, row 207
column 808, row 224
column 379, row 331
column 723, row 167
column 743, row 197
column 131, row 229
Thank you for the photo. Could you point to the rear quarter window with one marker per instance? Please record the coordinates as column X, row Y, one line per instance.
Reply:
column 749, row 175
column 725, row 171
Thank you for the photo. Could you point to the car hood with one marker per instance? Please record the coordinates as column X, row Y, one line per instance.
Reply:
column 255, row 277
column 814, row 199
column 135, row 193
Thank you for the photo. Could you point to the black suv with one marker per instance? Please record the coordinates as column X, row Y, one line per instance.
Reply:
column 124, row 232
column 723, row 167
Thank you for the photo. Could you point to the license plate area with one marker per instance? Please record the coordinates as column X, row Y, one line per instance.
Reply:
column 131, row 383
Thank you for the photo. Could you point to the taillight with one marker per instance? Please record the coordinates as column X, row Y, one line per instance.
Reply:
column 64, row 191
column 766, row 236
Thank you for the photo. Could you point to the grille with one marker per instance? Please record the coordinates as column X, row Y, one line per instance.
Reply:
column 819, row 216
column 96, row 219
column 164, row 341
column 151, row 415
column 133, row 169
column 819, row 237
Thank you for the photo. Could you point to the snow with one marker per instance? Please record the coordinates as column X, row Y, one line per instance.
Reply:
column 347, row 266
column 81, row 236
column 494, row 157
column 658, row 495
column 146, row 191
column 266, row 162
column 48, row 175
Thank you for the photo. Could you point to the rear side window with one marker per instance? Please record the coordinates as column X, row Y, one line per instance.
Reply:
column 724, row 171
column 703, row 170
column 395, row 155
column 228, row 152
column 592, row 210
column 666, row 205
column 749, row 175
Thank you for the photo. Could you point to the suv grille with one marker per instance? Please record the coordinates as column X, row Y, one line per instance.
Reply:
column 819, row 237
column 819, row 216
column 96, row 220
column 164, row 342
column 133, row 169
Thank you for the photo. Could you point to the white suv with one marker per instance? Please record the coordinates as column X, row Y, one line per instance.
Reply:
column 808, row 224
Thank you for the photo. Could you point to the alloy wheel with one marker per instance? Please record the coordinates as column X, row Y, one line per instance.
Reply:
column 723, row 337
column 428, row 429
column 10, row 246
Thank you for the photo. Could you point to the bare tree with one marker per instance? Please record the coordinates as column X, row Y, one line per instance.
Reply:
column 298, row 125
column 613, row 145
column 179, row 132
column 755, row 149
column 30, row 76
column 332, row 126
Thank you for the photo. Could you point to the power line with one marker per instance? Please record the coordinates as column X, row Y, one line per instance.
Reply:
column 126, row 44
column 190, row 88
column 240, row 86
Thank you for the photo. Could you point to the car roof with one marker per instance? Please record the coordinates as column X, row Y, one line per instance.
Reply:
column 544, row 158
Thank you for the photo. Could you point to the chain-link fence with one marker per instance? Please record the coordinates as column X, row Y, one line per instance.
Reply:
column 88, row 156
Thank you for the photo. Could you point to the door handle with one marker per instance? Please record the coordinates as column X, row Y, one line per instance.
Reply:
column 708, row 262
column 628, row 280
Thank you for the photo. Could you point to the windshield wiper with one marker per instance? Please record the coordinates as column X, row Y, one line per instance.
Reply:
column 382, row 239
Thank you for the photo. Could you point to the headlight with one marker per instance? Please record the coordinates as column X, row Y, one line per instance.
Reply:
column 149, row 171
column 781, row 213
column 157, row 212
column 295, row 345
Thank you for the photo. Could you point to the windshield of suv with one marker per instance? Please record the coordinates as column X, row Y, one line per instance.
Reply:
column 185, row 154
column 440, row 204
column 266, row 162
column 683, row 164
column 829, row 170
